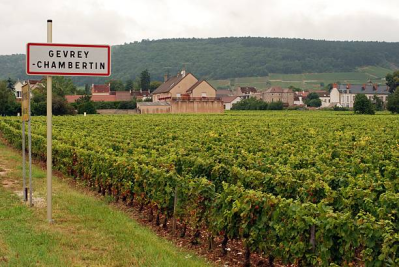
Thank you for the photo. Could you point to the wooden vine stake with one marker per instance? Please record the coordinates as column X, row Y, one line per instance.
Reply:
column 174, row 226
column 313, row 237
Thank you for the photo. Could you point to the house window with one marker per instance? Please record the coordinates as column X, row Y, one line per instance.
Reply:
column 19, row 94
column 178, row 95
column 347, row 99
column 203, row 94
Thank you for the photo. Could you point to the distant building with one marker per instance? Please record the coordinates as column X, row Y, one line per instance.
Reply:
column 325, row 98
column 102, row 92
column 33, row 84
column 182, row 86
column 123, row 95
column 344, row 95
column 18, row 89
column 299, row 98
column 245, row 92
column 276, row 94
column 229, row 101
column 100, row 89
column 94, row 98
column 141, row 95
column 184, row 93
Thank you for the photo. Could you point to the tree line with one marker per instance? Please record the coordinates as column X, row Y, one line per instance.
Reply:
column 62, row 86
column 231, row 57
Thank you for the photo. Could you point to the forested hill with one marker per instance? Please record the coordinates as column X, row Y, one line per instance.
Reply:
column 220, row 58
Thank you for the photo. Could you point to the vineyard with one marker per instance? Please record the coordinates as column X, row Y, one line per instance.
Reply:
column 304, row 188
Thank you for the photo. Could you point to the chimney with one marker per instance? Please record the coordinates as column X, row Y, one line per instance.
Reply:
column 183, row 71
column 364, row 87
column 375, row 87
column 165, row 78
column 335, row 85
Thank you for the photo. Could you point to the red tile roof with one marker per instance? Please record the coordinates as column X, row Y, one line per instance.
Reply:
column 278, row 89
column 100, row 88
column 229, row 99
column 224, row 92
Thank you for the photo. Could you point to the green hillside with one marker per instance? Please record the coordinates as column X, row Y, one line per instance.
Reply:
column 307, row 81
column 224, row 58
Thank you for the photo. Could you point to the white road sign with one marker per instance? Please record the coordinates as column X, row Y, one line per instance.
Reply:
column 68, row 59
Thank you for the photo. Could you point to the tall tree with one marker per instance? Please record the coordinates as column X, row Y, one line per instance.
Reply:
column 129, row 85
column 154, row 85
column 378, row 103
column 116, row 85
column 10, row 85
column 8, row 103
column 87, row 89
column 145, row 80
column 393, row 102
column 63, row 86
column 313, row 100
column 392, row 81
column 363, row 105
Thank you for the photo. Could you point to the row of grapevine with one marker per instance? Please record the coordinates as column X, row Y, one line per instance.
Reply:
column 315, row 196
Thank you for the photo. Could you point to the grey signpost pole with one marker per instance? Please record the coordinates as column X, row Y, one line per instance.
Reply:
column 49, row 128
column 30, row 152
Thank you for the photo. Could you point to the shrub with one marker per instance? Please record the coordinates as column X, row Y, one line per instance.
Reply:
column 363, row 105
column 250, row 104
column 275, row 106
column 337, row 108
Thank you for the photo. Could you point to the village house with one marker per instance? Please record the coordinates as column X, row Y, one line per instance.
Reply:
column 344, row 95
column 33, row 84
column 245, row 92
column 229, row 101
column 184, row 93
column 325, row 98
column 299, row 98
column 18, row 89
column 103, row 93
column 141, row 95
column 276, row 94
column 99, row 93
column 100, row 89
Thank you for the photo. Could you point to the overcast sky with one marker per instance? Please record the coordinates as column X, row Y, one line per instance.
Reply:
column 119, row 21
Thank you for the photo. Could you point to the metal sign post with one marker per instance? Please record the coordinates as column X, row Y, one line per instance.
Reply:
column 49, row 128
column 63, row 60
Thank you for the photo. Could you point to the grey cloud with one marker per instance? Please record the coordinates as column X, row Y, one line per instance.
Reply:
column 97, row 21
